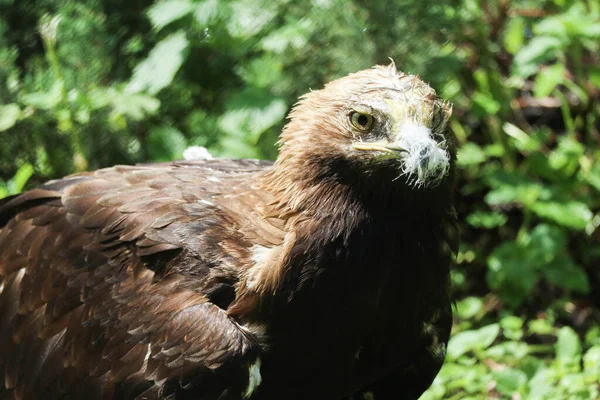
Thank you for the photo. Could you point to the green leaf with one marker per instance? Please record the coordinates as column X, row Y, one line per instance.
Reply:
column 591, row 364
column 538, row 50
column 158, row 70
column 45, row 100
column 592, row 336
column 166, row 143
column 565, row 158
column 548, row 79
column 251, row 112
column 21, row 177
column 573, row 383
column 494, row 150
column 524, row 193
column 470, row 154
column 132, row 105
column 545, row 243
column 540, row 327
column 593, row 176
column 523, row 141
column 510, row 381
column 515, row 350
column 573, row 214
column 9, row 115
column 594, row 75
column 552, row 26
column 514, row 34
column 164, row 12
column 486, row 219
column 485, row 104
column 512, row 327
column 468, row 307
column 564, row 273
column 206, row 11
column 537, row 164
column 568, row 347
column 542, row 384
column 512, row 273
column 464, row 342
column 294, row 35
column 262, row 72
column 249, row 17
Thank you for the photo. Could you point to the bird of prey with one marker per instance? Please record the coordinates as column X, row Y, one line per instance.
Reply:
column 323, row 275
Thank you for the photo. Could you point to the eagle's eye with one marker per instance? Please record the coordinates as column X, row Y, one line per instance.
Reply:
column 361, row 121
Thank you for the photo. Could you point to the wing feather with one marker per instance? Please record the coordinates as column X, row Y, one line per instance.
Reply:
column 103, row 275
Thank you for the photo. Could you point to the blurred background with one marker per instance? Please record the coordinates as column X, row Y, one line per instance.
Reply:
column 91, row 83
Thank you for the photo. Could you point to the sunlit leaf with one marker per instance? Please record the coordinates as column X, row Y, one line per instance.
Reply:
column 158, row 70
column 165, row 12
column 251, row 112
column 21, row 177
column 464, row 342
column 468, row 307
column 574, row 383
column 545, row 243
column 592, row 336
column 206, row 11
column 513, row 349
column 512, row 327
column 525, row 193
column 565, row 158
column 541, row 386
column 294, row 35
column 538, row 50
column 486, row 220
column 485, row 104
column 510, row 381
column 513, row 187
column 514, row 35
column 523, row 141
column 9, row 115
column 262, row 72
column 548, row 79
column 249, row 17
column 591, row 364
column 134, row 106
column 572, row 214
column 45, row 100
column 470, row 154
column 540, row 327
column 568, row 346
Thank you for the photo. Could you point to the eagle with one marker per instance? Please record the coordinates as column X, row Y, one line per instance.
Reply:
column 323, row 275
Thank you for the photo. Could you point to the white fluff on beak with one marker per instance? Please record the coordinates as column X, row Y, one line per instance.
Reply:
column 424, row 161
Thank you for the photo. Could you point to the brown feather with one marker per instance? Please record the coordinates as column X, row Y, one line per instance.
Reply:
column 172, row 280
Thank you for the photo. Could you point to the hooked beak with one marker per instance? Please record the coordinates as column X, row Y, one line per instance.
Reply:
column 422, row 158
column 391, row 148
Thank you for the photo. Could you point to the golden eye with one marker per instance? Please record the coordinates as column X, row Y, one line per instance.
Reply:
column 361, row 121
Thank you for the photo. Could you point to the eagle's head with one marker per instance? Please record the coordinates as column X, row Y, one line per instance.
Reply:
column 375, row 124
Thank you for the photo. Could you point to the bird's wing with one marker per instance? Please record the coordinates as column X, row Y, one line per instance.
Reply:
column 110, row 285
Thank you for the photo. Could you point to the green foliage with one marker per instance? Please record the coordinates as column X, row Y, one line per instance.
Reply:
column 87, row 84
column 530, row 196
column 18, row 182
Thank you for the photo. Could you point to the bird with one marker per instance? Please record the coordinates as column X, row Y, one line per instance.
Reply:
column 322, row 275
